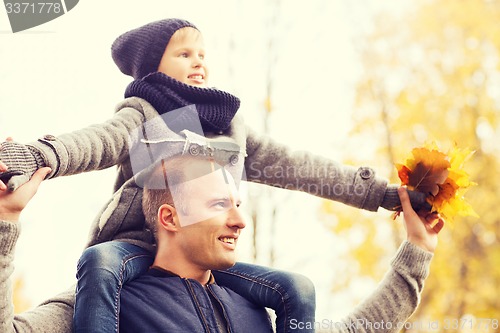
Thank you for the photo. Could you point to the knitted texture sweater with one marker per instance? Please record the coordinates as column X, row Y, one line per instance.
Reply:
column 262, row 159
column 393, row 301
column 104, row 145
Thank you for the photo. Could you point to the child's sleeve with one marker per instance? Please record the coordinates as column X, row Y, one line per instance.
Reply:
column 95, row 147
column 274, row 164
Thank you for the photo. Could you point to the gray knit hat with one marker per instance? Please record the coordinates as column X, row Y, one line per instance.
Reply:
column 138, row 52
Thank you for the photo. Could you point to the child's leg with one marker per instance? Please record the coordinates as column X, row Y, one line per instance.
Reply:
column 290, row 295
column 101, row 272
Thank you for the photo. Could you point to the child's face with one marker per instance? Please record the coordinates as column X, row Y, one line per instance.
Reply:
column 184, row 58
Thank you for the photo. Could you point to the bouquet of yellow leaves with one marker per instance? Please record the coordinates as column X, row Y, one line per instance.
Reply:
column 441, row 177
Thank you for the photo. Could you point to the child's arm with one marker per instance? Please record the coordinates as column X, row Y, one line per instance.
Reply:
column 93, row 148
column 274, row 164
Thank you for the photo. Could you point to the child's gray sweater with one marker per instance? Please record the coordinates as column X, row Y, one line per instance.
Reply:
column 262, row 160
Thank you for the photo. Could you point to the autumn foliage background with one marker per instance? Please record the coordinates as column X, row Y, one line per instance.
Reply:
column 427, row 71
column 434, row 74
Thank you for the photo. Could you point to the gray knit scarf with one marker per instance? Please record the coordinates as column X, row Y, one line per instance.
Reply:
column 216, row 108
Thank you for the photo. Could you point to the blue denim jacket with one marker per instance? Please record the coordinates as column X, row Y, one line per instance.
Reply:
column 160, row 301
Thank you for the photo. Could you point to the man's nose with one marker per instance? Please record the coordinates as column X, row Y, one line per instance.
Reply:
column 235, row 219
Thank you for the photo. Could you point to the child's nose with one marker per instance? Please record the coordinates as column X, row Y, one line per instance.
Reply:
column 197, row 62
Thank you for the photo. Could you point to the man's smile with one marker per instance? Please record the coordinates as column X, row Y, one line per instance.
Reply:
column 228, row 242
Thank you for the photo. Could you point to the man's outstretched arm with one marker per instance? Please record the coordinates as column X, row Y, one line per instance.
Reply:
column 398, row 295
column 54, row 315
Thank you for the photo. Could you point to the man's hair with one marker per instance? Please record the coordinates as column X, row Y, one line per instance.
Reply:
column 162, row 187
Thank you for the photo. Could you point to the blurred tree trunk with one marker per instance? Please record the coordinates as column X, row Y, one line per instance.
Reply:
column 265, row 194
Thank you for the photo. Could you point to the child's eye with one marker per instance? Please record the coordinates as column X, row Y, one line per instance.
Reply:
column 184, row 55
column 201, row 56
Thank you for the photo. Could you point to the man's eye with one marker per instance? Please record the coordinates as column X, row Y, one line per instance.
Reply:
column 220, row 204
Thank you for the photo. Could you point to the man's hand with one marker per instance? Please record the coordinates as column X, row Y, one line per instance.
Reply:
column 12, row 203
column 419, row 226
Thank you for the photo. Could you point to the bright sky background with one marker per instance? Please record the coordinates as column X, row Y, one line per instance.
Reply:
column 60, row 77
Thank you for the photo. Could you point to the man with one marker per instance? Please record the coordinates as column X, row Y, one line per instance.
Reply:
column 197, row 223
column 391, row 304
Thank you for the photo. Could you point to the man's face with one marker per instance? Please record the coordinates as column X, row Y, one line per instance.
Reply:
column 184, row 58
column 211, row 222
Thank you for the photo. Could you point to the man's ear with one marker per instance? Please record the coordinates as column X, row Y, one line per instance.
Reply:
column 168, row 218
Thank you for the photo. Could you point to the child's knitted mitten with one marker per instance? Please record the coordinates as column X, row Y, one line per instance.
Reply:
column 391, row 199
column 22, row 161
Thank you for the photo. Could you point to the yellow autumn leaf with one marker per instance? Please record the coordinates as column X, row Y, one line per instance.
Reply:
column 441, row 176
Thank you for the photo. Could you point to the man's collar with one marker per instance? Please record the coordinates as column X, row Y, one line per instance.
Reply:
column 162, row 272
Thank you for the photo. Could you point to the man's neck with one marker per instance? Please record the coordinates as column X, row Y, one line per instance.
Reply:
column 182, row 269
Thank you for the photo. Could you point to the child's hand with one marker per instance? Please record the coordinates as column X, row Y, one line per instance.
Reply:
column 392, row 201
column 3, row 168
column 19, row 162
column 419, row 227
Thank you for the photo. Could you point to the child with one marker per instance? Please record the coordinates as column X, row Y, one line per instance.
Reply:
column 166, row 59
